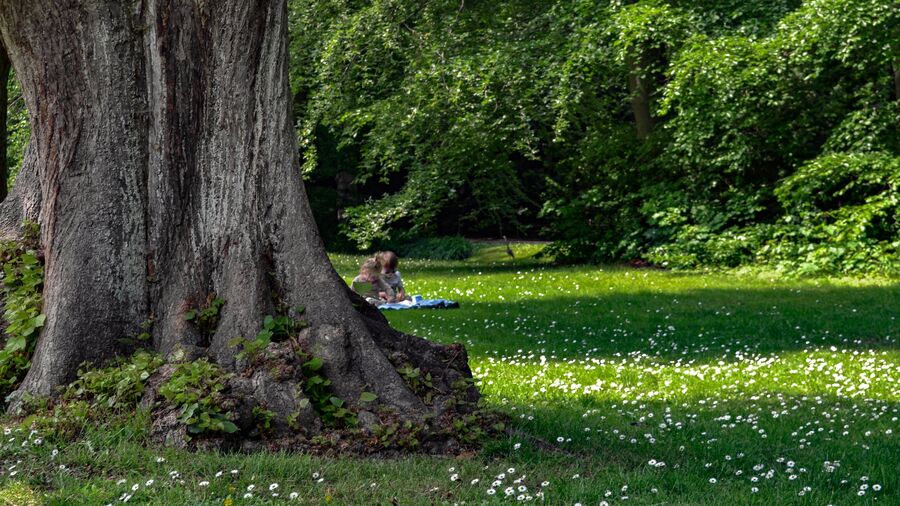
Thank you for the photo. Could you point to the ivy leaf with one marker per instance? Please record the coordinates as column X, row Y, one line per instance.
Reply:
column 367, row 397
column 264, row 336
column 314, row 364
column 38, row 321
column 188, row 410
column 16, row 343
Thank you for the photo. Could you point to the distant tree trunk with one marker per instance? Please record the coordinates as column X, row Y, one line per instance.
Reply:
column 640, row 89
column 896, row 69
column 4, row 99
column 343, row 182
column 164, row 159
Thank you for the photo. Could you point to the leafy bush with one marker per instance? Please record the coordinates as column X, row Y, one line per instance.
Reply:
column 842, row 215
column 436, row 248
column 118, row 386
column 275, row 328
column 100, row 396
column 595, row 227
column 318, row 392
column 196, row 387
column 694, row 247
column 20, row 290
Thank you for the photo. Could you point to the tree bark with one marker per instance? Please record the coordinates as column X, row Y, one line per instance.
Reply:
column 165, row 156
column 895, row 67
column 4, row 99
column 23, row 202
column 640, row 90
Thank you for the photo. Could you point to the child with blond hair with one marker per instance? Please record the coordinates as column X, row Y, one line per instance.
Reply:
column 370, row 285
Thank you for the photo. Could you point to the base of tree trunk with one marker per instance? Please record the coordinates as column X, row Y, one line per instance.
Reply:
column 451, row 422
column 448, row 421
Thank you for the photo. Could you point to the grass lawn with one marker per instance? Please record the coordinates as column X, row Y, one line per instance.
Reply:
column 652, row 387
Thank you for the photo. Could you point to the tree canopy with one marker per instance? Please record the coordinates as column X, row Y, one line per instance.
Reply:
column 685, row 133
column 518, row 117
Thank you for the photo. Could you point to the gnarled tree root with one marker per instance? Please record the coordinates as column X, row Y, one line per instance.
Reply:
column 274, row 383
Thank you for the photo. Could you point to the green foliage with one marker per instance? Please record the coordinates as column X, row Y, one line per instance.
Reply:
column 694, row 247
column 648, row 32
column 263, row 418
column 417, row 382
column 250, row 349
column 433, row 248
column 518, row 114
column 367, row 397
column 20, row 290
column 100, row 396
column 206, row 317
column 748, row 120
column 275, row 329
column 196, row 387
column 118, row 386
column 18, row 130
column 316, row 387
column 64, row 421
column 402, row 435
column 436, row 104
column 469, row 428
column 842, row 215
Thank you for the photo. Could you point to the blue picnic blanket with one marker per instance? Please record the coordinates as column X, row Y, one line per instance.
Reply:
column 417, row 302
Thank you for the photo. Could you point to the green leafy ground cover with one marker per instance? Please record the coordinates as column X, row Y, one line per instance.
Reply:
column 644, row 386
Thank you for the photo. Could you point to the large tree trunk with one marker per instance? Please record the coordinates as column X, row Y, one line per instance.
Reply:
column 4, row 98
column 167, row 171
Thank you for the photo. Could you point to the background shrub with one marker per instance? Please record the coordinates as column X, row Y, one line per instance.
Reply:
column 434, row 248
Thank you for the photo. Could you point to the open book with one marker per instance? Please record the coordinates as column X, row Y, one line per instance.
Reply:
column 362, row 288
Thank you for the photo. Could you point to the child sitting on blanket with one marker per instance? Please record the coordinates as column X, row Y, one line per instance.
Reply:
column 391, row 275
column 370, row 285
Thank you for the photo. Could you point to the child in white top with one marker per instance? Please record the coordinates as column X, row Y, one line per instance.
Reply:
column 390, row 274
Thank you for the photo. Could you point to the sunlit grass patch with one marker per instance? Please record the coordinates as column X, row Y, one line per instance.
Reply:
column 15, row 493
